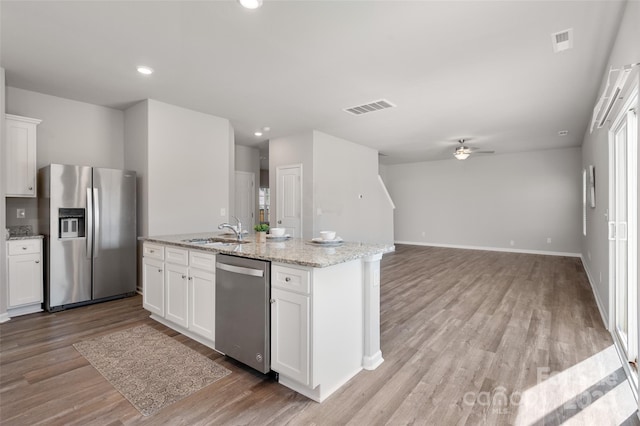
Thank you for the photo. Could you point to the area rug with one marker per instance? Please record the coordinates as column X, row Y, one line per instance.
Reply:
column 149, row 368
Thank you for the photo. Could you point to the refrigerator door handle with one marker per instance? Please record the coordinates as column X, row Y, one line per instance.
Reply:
column 96, row 223
column 89, row 225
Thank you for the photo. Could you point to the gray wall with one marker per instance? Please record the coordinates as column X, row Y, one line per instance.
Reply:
column 297, row 149
column 247, row 159
column 489, row 201
column 72, row 132
column 348, row 197
column 334, row 173
column 183, row 158
column 595, row 246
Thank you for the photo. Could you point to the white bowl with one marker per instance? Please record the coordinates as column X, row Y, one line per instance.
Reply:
column 328, row 235
column 277, row 232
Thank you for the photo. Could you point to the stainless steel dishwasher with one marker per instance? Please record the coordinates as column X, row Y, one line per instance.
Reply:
column 243, row 311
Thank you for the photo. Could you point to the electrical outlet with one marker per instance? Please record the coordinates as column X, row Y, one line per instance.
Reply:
column 512, row 243
column 20, row 214
column 223, row 212
column 548, row 240
column 424, row 234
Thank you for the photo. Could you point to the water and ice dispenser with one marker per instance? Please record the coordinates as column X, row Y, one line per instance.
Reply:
column 71, row 223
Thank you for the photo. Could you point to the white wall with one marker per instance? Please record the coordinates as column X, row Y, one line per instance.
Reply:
column 136, row 157
column 595, row 246
column 297, row 149
column 348, row 197
column 488, row 201
column 3, row 266
column 247, row 159
column 72, row 132
column 186, row 175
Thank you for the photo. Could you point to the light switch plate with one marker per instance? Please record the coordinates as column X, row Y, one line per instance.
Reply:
column 223, row 212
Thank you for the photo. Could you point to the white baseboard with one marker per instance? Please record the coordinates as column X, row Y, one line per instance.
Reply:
column 603, row 312
column 507, row 250
column 4, row 317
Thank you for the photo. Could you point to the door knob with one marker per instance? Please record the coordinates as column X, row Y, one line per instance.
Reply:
column 272, row 300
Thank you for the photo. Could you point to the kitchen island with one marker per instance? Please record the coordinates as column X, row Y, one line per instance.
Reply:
column 325, row 301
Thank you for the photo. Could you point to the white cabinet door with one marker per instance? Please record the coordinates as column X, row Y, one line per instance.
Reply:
column 177, row 290
column 25, row 279
column 202, row 302
column 153, row 285
column 21, row 156
column 290, row 335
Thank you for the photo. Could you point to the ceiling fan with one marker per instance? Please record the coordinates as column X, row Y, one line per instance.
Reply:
column 462, row 152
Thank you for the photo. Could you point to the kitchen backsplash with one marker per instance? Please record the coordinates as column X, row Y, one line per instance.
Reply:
column 30, row 206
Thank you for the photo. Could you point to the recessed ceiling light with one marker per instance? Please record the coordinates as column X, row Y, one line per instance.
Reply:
column 250, row 4
column 563, row 132
column 145, row 70
column 258, row 133
column 266, row 129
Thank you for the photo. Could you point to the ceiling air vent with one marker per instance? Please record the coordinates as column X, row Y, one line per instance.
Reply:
column 562, row 40
column 370, row 107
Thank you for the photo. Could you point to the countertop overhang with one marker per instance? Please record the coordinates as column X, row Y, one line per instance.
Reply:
column 294, row 251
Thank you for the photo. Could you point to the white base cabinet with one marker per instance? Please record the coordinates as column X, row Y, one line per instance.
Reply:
column 179, row 290
column 24, row 271
column 316, row 326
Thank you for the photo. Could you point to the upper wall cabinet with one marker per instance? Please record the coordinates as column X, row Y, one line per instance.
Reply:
column 21, row 156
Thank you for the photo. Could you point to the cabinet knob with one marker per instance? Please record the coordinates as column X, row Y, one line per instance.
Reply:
column 287, row 279
column 190, row 278
column 272, row 301
column 184, row 276
column 24, row 248
column 31, row 188
column 279, row 222
column 37, row 261
column 159, row 270
column 152, row 251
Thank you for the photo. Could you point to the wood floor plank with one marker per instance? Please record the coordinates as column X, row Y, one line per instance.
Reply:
column 460, row 329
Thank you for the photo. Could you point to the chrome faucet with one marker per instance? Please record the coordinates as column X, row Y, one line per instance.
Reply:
column 236, row 229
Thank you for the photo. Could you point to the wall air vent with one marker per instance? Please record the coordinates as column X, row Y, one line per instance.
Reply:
column 370, row 107
column 562, row 40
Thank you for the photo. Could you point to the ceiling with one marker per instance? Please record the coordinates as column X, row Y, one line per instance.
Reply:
column 478, row 70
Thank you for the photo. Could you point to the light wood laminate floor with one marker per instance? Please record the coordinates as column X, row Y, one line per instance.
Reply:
column 468, row 337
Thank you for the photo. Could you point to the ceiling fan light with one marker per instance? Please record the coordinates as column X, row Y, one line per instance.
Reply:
column 461, row 155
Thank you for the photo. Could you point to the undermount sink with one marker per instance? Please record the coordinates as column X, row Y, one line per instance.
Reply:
column 214, row 242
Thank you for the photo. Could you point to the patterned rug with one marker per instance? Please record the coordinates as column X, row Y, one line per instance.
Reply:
column 149, row 368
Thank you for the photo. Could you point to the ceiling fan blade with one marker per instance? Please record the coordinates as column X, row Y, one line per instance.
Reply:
column 484, row 152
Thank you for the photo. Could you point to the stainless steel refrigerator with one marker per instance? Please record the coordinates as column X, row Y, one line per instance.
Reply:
column 88, row 218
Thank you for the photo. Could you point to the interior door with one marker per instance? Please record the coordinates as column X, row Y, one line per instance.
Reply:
column 623, row 214
column 245, row 199
column 289, row 199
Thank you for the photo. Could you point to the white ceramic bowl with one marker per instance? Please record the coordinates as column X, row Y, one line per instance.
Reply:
column 328, row 235
column 277, row 232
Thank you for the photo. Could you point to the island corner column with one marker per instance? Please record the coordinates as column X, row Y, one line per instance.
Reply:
column 372, row 355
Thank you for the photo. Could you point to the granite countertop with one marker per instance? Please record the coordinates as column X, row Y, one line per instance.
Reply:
column 294, row 251
column 24, row 237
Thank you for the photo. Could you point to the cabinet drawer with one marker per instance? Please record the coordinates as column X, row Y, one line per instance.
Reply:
column 201, row 260
column 23, row 247
column 176, row 256
column 153, row 251
column 291, row 279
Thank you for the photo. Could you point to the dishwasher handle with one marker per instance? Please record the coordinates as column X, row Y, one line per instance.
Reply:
column 240, row 270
